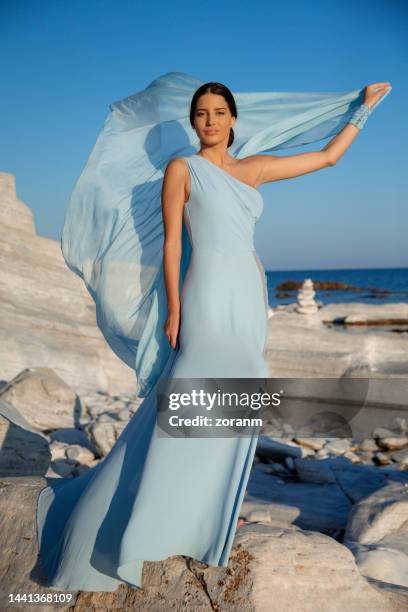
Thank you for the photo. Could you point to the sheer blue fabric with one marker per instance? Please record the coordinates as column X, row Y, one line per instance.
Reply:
column 113, row 231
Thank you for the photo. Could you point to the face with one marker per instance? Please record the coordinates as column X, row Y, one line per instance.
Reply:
column 213, row 119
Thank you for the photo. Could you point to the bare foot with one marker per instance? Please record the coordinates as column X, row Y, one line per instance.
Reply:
column 241, row 521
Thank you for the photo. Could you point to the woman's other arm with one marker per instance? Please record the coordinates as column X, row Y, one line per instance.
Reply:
column 173, row 199
column 270, row 168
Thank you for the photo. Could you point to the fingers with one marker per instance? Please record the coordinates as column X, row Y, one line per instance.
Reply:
column 172, row 338
column 175, row 340
column 382, row 88
column 375, row 92
column 378, row 86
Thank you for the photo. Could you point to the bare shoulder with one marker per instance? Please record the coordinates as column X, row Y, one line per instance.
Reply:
column 176, row 166
column 176, row 176
column 176, row 170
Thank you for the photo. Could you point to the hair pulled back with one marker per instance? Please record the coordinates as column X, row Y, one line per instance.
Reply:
column 221, row 90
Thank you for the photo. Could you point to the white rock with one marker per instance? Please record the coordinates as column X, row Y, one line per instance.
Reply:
column 305, row 303
column 401, row 456
column 79, row 454
column 58, row 450
column 322, row 453
column 269, row 448
column 382, row 563
column 354, row 458
column 368, row 445
column 303, row 346
column 377, row 534
column 338, row 447
column 124, row 414
column 103, row 436
column 393, row 443
column 43, row 399
column 47, row 316
column 314, row 443
column 106, row 418
column 382, row 458
column 270, row 569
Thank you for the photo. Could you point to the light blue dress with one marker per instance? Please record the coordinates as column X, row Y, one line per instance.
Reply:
column 153, row 497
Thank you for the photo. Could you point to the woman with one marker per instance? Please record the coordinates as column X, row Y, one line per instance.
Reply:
column 154, row 496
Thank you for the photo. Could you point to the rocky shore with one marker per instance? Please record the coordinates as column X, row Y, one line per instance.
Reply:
column 324, row 515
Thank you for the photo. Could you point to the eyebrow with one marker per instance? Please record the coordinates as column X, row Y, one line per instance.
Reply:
column 219, row 108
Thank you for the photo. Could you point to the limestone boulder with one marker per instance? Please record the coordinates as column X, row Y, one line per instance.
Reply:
column 43, row 398
column 47, row 317
column 377, row 534
column 271, row 568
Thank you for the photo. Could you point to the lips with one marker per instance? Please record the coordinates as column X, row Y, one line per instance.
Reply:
column 210, row 132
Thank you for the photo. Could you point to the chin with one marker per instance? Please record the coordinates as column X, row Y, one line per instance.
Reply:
column 212, row 139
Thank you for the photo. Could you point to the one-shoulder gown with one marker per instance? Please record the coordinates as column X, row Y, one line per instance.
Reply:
column 153, row 497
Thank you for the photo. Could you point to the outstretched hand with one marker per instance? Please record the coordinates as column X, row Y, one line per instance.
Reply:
column 374, row 92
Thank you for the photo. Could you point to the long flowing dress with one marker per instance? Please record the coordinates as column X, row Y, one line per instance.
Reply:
column 153, row 497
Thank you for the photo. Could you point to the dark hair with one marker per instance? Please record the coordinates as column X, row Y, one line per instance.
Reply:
column 221, row 90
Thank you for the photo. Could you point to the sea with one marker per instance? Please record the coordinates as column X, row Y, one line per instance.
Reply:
column 368, row 286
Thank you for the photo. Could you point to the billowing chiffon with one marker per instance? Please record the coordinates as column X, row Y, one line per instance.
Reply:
column 113, row 231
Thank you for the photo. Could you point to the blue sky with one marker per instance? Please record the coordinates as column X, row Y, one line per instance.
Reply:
column 66, row 61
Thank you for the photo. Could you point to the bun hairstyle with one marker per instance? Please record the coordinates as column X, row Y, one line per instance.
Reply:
column 221, row 90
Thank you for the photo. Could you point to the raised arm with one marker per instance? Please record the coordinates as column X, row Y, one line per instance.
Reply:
column 269, row 168
column 173, row 199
